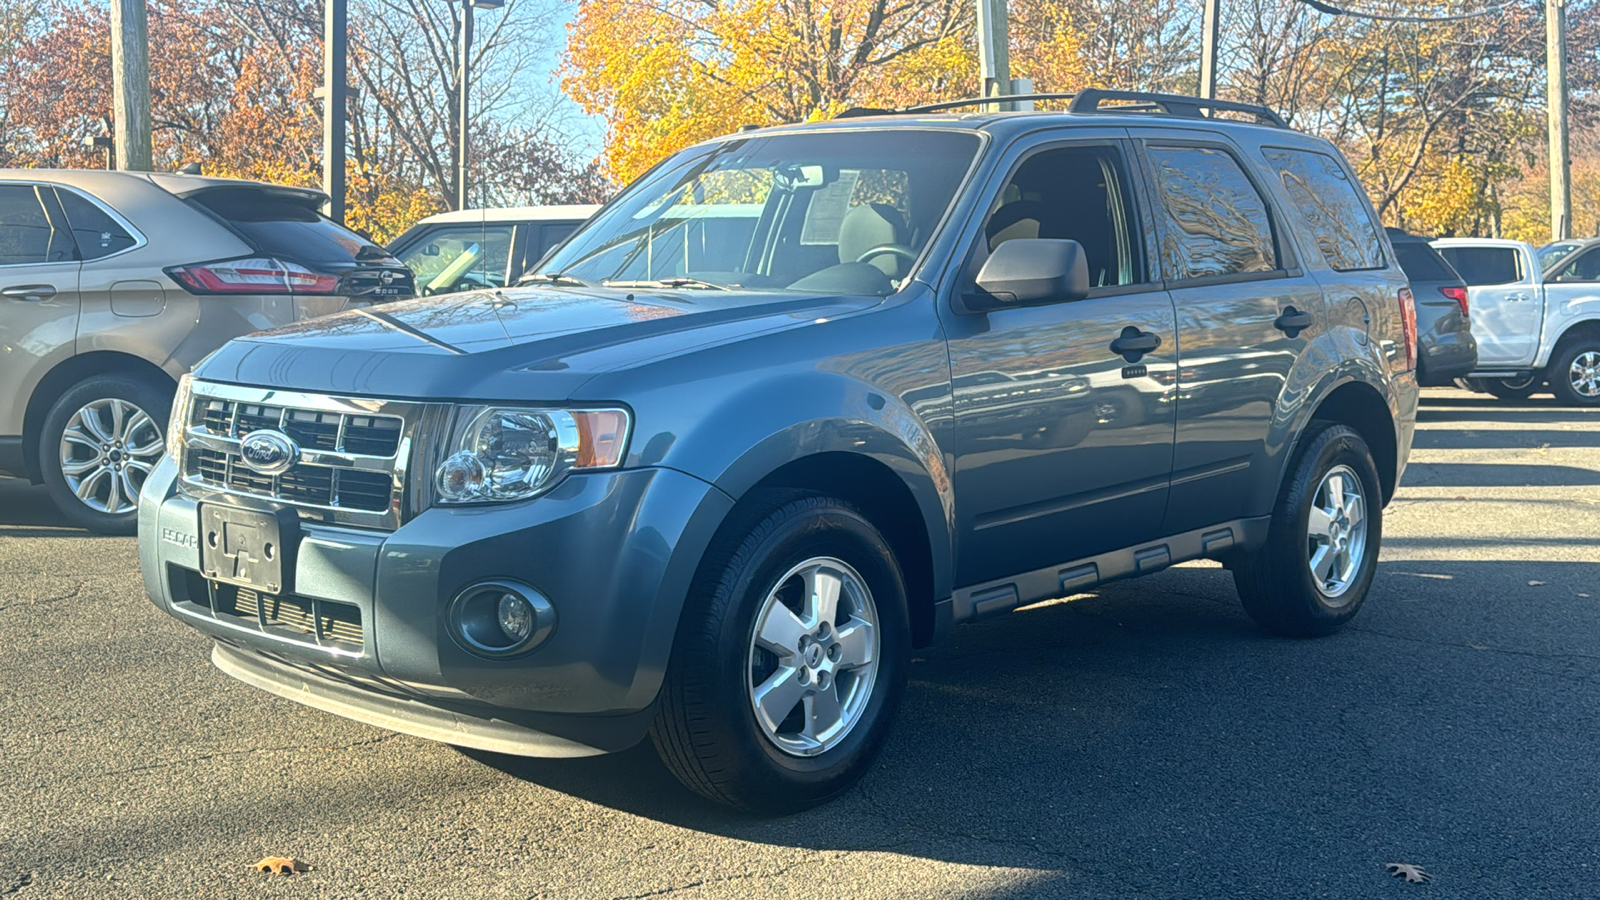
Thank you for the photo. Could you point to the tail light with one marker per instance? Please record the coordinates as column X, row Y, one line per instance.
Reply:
column 1408, row 324
column 256, row 275
column 1458, row 294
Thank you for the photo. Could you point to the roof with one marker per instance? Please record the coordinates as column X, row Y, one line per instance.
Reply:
column 569, row 213
column 172, row 182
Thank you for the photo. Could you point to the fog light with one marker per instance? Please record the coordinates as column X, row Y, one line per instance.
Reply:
column 497, row 619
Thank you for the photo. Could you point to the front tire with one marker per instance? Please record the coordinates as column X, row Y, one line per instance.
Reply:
column 1575, row 373
column 790, row 658
column 99, row 443
column 1321, row 554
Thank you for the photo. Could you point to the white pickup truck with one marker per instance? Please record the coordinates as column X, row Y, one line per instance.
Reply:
column 1532, row 327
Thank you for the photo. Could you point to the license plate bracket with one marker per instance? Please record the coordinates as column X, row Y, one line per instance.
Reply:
column 250, row 548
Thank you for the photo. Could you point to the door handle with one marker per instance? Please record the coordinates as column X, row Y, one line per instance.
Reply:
column 1134, row 343
column 1517, row 297
column 1293, row 321
column 32, row 293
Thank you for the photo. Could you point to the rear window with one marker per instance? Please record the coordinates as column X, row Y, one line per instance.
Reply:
column 283, row 227
column 1423, row 263
column 1485, row 265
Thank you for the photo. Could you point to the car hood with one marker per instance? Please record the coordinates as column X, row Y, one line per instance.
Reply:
column 488, row 344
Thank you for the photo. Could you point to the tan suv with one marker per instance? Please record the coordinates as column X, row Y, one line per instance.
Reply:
column 114, row 284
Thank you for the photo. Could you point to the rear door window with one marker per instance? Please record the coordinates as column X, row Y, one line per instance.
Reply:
column 98, row 234
column 25, row 232
column 1485, row 265
column 283, row 226
column 1214, row 220
column 1331, row 206
column 1421, row 262
column 460, row 258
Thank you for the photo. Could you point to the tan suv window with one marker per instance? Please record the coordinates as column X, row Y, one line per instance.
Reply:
column 25, row 232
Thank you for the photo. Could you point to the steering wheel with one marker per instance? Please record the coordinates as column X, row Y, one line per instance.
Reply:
column 900, row 250
column 464, row 283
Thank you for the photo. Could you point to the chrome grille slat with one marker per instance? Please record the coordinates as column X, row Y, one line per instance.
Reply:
column 353, row 460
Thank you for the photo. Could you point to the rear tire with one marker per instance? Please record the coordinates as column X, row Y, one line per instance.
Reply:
column 99, row 443
column 1512, row 388
column 1575, row 373
column 786, row 728
column 1321, row 554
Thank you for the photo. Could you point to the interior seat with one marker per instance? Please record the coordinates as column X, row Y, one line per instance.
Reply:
column 873, row 225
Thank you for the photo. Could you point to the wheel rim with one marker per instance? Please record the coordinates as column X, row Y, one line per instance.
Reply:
column 813, row 657
column 1336, row 529
column 1518, row 384
column 1584, row 374
column 107, row 451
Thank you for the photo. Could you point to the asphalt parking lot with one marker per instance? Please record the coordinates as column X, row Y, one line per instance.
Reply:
column 1141, row 741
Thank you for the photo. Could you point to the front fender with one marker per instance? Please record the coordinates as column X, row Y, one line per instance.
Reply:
column 768, row 425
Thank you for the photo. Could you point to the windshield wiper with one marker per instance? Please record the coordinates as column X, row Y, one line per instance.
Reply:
column 678, row 282
column 553, row 278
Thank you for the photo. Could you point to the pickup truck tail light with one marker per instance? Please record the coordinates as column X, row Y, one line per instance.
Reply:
column 1458, row 294
column 1408, row 325
column 256, row 275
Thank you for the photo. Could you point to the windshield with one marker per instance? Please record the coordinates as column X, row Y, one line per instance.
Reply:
column 824, row 211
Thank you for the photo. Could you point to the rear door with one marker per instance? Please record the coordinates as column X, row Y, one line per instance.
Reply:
column 39, row 302
column 1246, row 310
column 1503, row 294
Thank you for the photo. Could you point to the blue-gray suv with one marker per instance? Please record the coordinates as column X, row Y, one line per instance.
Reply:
column 795, row 403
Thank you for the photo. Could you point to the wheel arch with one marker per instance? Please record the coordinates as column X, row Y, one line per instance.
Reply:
column 61, row 379
column 1574, row 331
column 1360, row 406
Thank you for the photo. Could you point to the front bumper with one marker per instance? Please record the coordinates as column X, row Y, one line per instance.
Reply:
column 614, row 552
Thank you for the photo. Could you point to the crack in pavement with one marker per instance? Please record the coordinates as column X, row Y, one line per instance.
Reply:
column 76, row 589
column 167, row 764
column 818, row 857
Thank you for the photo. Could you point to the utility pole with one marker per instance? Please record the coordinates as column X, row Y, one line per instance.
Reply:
column 1210, row 37
column 335, row 94
column 994, row 48
column 464, row 108
column 1555, row 39
column 130, row 84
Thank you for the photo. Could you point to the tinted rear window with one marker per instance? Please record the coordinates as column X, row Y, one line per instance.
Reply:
column 1484, row 265
column 1423, row 263
column 283, row 227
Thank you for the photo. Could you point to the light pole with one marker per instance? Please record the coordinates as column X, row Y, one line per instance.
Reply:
column 463, row 91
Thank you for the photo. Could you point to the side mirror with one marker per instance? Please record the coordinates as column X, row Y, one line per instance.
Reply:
column 1031, row 272
column 431, row 250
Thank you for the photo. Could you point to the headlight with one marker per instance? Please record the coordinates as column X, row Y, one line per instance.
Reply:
column 179, row 420
column 506, row 453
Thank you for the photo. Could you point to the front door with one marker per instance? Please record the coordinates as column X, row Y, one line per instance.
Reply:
column 1063, row 447
column 1245, row 313
column 38, row 295
column 1503, row 300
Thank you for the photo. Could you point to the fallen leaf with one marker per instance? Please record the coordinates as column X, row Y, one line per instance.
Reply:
column 280, row 865
column 1413, row 874
column 1584, row 596
column 1535, row 584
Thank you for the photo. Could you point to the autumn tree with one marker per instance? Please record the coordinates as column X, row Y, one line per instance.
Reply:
column 668, row 73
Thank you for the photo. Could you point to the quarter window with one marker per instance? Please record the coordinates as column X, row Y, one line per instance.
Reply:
column 1330, row 204
column 25, row 232
column 97, row 233
column 1484, row 265
column 1215, row 222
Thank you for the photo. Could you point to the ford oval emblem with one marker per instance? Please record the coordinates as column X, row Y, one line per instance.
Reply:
column 269, row 452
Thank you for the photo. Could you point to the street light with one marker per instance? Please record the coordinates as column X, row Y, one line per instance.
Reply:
column 462, row 106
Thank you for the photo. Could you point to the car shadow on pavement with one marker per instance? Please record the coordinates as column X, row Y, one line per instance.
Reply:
column 1433, row 474
column 29, row 508
column 1151, row 730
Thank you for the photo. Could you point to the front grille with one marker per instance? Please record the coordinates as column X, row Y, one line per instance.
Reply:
column 351, row 453
column 304, row 620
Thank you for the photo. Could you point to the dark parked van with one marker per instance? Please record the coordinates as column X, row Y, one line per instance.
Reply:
column 715, row 484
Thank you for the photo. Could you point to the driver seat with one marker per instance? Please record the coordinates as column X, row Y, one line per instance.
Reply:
column 873, row 225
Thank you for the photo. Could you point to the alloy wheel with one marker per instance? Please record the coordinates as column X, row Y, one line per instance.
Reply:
column 1584, row 374
column 813, row 657
column 108, row 449
column 1336, row 528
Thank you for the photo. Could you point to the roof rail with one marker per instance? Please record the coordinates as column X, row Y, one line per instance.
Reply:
column 1089, row 100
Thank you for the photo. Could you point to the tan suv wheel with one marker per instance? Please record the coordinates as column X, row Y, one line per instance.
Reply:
column 98, row 445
